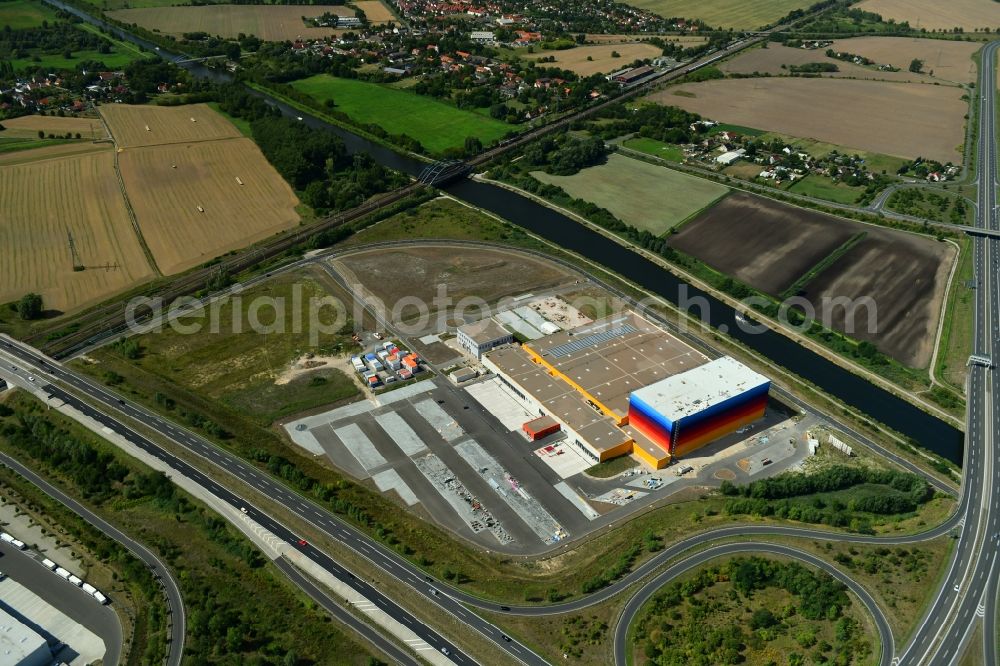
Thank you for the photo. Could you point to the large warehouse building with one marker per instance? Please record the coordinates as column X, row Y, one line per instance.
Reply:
column 691, row 409
column 622, row 385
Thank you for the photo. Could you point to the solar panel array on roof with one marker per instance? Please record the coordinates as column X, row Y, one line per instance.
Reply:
column 590, row 340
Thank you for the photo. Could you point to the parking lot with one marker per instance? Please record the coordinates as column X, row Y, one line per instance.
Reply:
column 458, row 457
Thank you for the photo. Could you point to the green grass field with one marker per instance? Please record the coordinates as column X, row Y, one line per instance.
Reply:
column 114, row 60
column 24, row 14
column 122, row 53
column 738, row 14
column 436, row 125
column 824, row 188
column 665, row 151
column 13, row 145
column 644, row 195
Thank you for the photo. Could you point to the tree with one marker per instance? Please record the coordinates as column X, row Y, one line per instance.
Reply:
column 473, row 145
column 916, row 65
column 41, row 134
column 30, row 307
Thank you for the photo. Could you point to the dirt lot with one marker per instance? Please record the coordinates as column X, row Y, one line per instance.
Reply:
column 166, row 199
column 644, row 195
column 902, row 119
column 936, row 15
column 45, row 199
column 167, row 124
column 763, row 243
column 27, row 127
column 376, row 11
column 949, row 61
column 907, row 277
column 269, row 22
column 601, row 61
column 393, row 275
column 768, row 245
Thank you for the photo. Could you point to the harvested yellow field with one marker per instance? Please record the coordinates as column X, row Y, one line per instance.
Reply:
column 375, row 11
column 135, row 126
column 901, row 119
column 48, row 152
column 27, row 127
column 600, row 59
column 45, row 200
column 937, row 15
column 273, row 23
column 191, row 206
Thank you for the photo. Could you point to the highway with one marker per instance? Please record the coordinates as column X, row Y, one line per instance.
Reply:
column 28, row 362
column 175, row 605
column 968, row 591
column 114, row 409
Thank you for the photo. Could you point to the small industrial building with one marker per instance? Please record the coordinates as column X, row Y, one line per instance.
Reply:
column 20, row 645
column 482, row 336
column 623, row 385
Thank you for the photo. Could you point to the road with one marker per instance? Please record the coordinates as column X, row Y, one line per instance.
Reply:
column 172, row 592
column 968, row 590
column 27, row 360
column 114, row 410
column 646, row 592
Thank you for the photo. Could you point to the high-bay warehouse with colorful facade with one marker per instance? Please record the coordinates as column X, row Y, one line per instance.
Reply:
column 621, row 385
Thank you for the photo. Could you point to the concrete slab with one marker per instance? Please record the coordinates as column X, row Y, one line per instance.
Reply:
column 510, row 491
column 439, row 419
column 358, row 444
column 620, row 496
column 304, row 438
column 473, row 512
column 391, row 480
column 401, row 433
column 577, row 501
column 496, row 399
column 563, row 459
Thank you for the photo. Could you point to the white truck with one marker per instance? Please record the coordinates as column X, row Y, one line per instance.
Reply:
column 88, row 588
column 62, row 573
column 76, row 580
column 49, row 564
column 100, row 597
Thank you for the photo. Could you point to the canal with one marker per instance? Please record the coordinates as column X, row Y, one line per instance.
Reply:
column 931, row 432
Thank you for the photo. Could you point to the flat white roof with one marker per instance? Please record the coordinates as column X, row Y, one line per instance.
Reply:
column 18, row 641
column 697, row 389
column 484, row 332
